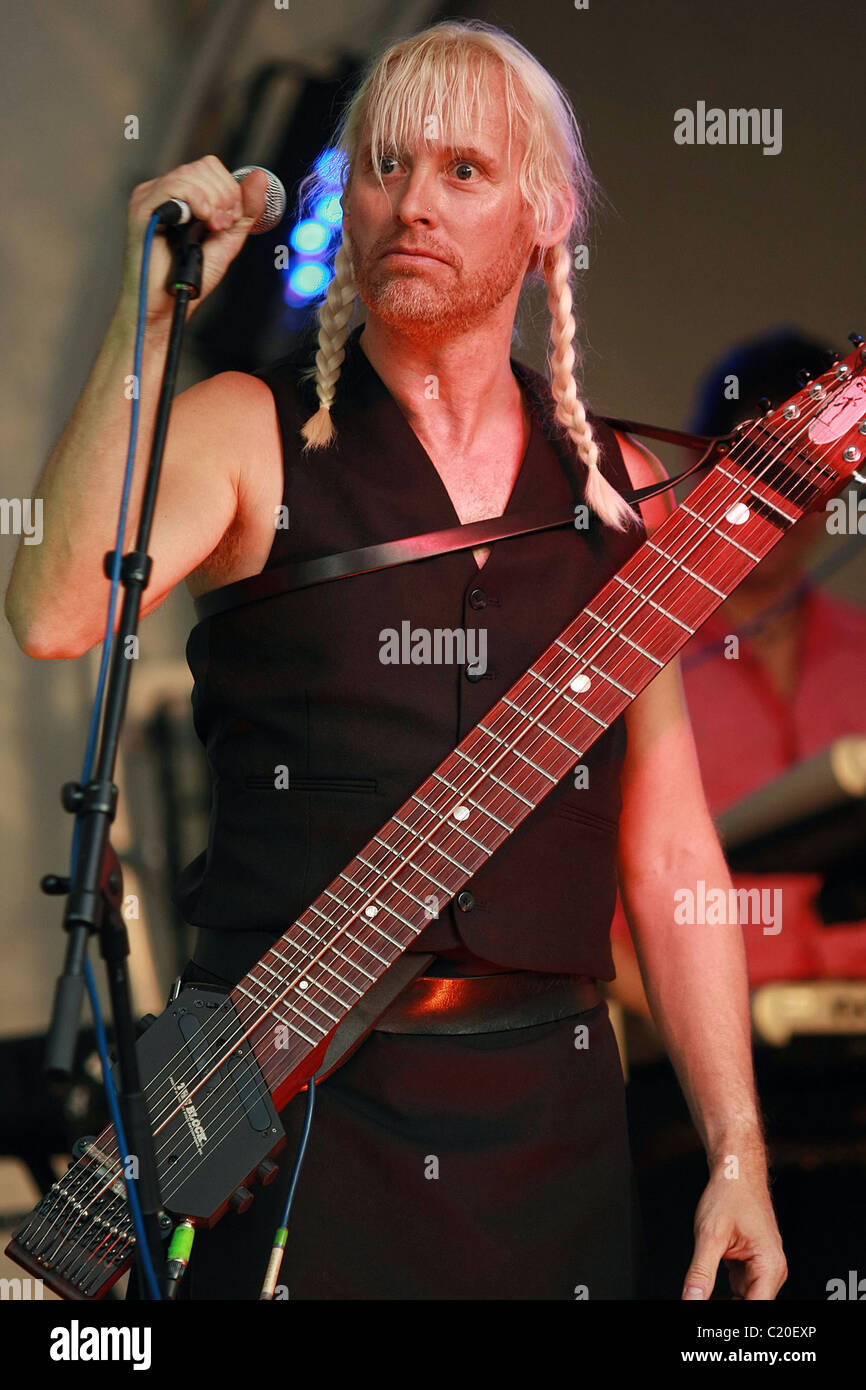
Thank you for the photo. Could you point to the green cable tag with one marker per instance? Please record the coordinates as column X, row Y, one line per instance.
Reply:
column 181, row 1241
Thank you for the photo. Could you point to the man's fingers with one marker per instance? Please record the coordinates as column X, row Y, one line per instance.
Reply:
column 701, row 1276
column 755, row 1279
column 254, row 188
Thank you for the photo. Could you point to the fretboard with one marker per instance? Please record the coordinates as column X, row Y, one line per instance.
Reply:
column 538, row 731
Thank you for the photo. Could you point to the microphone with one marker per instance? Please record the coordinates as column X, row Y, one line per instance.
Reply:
column 176, row 212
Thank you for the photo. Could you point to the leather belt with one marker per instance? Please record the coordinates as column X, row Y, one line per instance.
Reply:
column 488, row 1003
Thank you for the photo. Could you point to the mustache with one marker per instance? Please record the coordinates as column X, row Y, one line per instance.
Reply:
column 410, row 247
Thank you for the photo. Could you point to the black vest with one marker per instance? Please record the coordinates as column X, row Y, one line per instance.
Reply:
column 296, row 681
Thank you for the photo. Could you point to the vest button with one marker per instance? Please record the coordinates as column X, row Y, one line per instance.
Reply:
column 465, row 901
column 478, row 599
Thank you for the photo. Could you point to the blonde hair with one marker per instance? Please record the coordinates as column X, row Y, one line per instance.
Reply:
column 439, row 72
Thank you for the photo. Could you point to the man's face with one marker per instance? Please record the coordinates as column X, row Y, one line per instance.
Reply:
column 462, row 207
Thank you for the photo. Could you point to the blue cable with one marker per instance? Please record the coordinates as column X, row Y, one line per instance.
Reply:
column 111, row 1093
column 281, row 1234
column 302, row 1149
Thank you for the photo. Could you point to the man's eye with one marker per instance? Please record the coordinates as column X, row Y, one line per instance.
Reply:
column 387, row 159
column 463, row 164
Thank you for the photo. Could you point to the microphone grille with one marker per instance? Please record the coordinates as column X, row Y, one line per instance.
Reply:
column 275, row 199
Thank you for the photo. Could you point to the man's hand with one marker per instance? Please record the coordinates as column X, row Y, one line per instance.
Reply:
column 735, row 1222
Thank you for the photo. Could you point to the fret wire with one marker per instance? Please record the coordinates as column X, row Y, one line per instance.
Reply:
column 262, row 962
column 765, row 504
column 356, row 965
column 305, row 994
column 618, row 633
column 691, row 573
column 330, row 993
column 353, row 911
column 367, row 920
column 498, row 780
column 273, row 1009
column 599, row 671
column 314, row 1042
column 386, row 907
column 477, row 804
column 484, row 729
column 319, row 913
column 377, row 902
column 337, row 976
column 426, row 872
column 606, row 676
column 289, row 1023
column 309, row 928
column 545, row 727
column 729, row 539
column 652, row 603
column 570, row 698
column 740, row 483
column 375, row 868
column 454, row 825
column 437, row 848
column 365, row 947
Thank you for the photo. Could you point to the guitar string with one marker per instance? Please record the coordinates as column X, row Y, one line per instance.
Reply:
column 260, row 983
column 266, row 984
column 452, row 791
column 363, row 888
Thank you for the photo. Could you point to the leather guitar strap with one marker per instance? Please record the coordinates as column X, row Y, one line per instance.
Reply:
column 362, row 1018
column 301, row 574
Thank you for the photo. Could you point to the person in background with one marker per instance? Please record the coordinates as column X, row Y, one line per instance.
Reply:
column 791, row 684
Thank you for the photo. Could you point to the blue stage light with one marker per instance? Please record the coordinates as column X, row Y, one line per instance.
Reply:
column 328, row 210
column 309, row 237
column 308, row 279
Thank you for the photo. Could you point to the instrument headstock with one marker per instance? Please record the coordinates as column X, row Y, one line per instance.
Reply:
column 824, row 421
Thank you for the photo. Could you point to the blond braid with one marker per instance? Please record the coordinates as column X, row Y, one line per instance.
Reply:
column 570, row 411
column 334, row 316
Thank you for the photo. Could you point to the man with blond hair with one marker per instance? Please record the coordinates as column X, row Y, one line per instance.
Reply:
column 476, row 1149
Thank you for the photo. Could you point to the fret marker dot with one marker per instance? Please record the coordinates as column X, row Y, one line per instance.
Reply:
column 370, row 910
column 460, row 812
column 580, row 683
column 738, row 514
column 302, row 984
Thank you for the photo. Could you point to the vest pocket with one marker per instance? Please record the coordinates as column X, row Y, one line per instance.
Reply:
column 265, row 782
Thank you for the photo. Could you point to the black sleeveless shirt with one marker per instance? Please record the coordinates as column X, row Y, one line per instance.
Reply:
column 296, row 681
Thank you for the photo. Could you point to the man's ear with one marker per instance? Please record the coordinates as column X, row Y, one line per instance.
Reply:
column 564, row 203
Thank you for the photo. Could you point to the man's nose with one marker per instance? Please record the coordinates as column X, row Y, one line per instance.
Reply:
column 416, row 198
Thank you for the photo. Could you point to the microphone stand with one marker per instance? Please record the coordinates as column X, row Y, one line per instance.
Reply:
column 95, row 887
